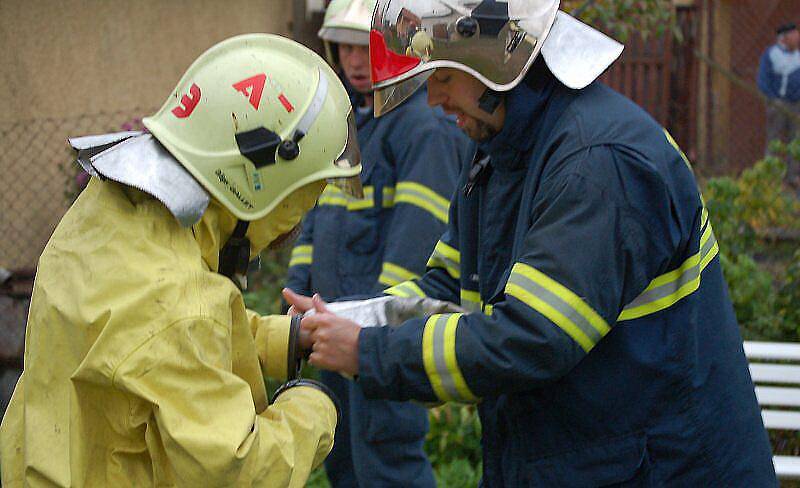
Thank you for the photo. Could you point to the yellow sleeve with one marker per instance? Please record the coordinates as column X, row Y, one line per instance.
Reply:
column 272, row 337
column 208, row 433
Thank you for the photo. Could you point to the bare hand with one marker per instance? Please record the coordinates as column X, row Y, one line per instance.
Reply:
column 298, row 303
column 335, row 340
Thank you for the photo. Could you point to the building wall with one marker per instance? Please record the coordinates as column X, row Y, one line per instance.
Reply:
column 75, row 67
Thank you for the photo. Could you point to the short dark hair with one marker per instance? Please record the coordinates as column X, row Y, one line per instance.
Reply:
column 784, row 28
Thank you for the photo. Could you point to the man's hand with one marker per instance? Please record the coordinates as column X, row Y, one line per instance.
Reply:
column 297, row 303
column 335, row 339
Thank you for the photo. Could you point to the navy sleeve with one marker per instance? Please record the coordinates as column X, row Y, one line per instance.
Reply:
column 441, row 279
column 600, row 231
column 427, row 160
column 299, row 274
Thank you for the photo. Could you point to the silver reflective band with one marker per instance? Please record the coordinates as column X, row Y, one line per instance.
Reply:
column 447, row 258
column 447, row 381
column 669, row 288
column 439, row 357
column 315, row 107
column 558, row 304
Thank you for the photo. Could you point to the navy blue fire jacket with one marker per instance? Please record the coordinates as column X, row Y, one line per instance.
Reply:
column 411, row 159
column 601, row 345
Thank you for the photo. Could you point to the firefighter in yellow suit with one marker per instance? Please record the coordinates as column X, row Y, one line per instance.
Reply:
column 142, row 365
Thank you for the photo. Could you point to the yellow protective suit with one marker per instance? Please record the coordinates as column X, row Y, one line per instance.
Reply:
column 142, row 366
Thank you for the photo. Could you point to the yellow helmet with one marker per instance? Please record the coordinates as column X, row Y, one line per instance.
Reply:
column 256, row 117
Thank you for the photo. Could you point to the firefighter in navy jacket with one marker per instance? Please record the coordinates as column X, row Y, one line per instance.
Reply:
column 599, row 342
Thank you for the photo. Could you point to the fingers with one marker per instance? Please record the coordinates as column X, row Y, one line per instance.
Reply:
column 319, row 304
column 299, row 303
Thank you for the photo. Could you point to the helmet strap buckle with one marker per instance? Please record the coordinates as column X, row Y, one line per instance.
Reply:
column 489, row 101
column 234, row 257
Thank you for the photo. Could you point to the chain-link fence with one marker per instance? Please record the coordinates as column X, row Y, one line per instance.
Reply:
column 701, row 85
column 731, row 106
column 41, row 178
column 40, row 181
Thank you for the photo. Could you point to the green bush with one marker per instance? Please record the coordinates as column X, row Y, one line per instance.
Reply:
column 757, row 225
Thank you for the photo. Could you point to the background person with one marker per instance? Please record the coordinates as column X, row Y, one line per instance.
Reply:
column 411, row 160
column 779, row 81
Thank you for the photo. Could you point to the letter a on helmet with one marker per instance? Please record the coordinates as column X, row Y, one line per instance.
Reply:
column 255, row 118
column 494, row 41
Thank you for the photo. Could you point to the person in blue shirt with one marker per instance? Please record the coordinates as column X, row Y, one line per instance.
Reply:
column 779, row 81
column 597, row 337
column 411, row 161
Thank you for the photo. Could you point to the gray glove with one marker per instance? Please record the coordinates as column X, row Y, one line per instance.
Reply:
column 388, row 310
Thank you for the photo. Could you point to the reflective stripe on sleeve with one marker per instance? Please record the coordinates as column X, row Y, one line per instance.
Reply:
column 447, row 258
column 558, row 304
column 439, row 358
column 392, row 274
column 333, row 196
column 301, row 255
column 667, row 289
column 471, row 300
column 406, row 289
column 422, row 197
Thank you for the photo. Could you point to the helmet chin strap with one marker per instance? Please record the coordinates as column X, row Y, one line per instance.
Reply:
column 490, row 100
column 234, row 257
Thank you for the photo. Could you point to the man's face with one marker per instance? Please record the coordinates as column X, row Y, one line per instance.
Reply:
column 354, row 60
column 792, row 39
column 458, row 94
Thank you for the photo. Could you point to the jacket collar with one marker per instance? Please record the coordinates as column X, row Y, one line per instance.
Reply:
column 525, row 105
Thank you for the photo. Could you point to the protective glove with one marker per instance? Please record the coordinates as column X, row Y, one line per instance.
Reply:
column 388, row 310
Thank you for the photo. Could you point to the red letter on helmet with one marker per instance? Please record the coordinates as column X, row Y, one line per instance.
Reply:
column 252, row 88
column 188, row 103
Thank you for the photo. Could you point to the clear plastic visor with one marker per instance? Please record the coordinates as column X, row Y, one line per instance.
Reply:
column 391, row 96
column 350, row 158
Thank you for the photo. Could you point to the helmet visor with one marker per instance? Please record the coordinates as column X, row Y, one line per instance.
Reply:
column 391, row 96
column 350, row 158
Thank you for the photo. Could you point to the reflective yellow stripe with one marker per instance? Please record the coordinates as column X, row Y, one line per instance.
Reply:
column 427, row 358
column 393, row 274
column 301, row 255
column 334, row 196
column 471, row 300
column 558, row 304
column 388, row 196
column 405, row 289
column 667, row 289
column 439, row 359
column 450, row 359
column 447, row 258
column 674, row 144
column 488, row 308
column 423, row 197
